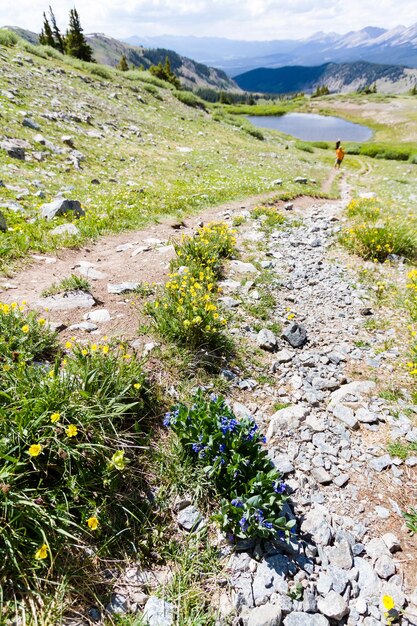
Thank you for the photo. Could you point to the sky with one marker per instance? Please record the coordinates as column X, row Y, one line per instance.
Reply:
column 234, row 19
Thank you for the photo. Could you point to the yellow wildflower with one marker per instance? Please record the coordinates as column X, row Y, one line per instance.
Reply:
column 42, row 553
column 92, row 523
column 25, row 329
column 55, row 417
column 35, row 449
column 71, row 431
column 388, row 602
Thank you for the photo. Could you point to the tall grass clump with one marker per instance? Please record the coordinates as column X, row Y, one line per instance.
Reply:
column 187, row 310
column 237, row 466
column 71, row 478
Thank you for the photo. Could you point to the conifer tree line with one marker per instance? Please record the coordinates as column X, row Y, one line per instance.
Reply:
column 73, row 42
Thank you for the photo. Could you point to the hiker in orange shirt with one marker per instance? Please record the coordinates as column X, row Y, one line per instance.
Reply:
column 340, row 153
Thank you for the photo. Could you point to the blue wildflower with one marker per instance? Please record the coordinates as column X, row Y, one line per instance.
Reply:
column 167, row 419
column 259, row 515
column 281, row 534
column 243, row 523
column 222, row 447
column 237, row 503
column 213, row 397
column 267, row 524
column 279, row 487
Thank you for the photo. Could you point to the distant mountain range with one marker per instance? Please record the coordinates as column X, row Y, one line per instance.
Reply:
column 338, row 77
column 108, row 51
column 397, row 46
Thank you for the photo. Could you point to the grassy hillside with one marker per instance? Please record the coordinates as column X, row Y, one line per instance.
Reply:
column 136, row 151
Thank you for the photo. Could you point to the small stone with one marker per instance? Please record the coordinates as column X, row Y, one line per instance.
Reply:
column 391, row 542
column 266, row 615
column 380, row 463
column 65, row 229
column 345, row 415
column 68, row 301
column 283, row 356
column 3, row 223
column 341, row 480
column 87, row 327
column 384, row 567
column 122, row 287
column 382, row 512
column 321, row 476
column 352, row 389
column 365, row 416
column 242, row 268
column 61, row 206
column 99, row 316
column 297, row 618
column 29, row 123
column 296, row 335
column 189, row 518
column 158, row 612
column 117, row 605
column 340, row 555
column 266, row 339
column 287, row 419
column 333, row 606
column 229, row 303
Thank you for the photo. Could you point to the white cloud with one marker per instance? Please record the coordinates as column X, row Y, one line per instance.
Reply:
column 235, row 19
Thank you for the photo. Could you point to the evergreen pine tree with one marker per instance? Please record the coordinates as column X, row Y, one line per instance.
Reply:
column 122, row 65
column 58, row 38
column 46, row 37
column 75, row 42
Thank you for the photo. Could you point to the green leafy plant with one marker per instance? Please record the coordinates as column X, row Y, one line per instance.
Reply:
column 70, row 478
column 411, row 520
column 231, row 452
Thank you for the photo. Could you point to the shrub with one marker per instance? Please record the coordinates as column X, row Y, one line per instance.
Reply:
column 378, row 241
column 8, row 38
column 303, row 145
column 254, row 132
column 323, row 145
column 190, row 99
column 99, row 70
column 239, row 470
column 70, row 478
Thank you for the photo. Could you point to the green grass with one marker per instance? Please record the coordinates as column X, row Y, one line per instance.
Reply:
column 73, row 283
column 401, row 449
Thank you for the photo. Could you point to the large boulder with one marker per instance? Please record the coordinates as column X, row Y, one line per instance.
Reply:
column 61, row 206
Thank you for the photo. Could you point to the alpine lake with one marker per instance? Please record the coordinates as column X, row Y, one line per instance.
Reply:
column 313, row 127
